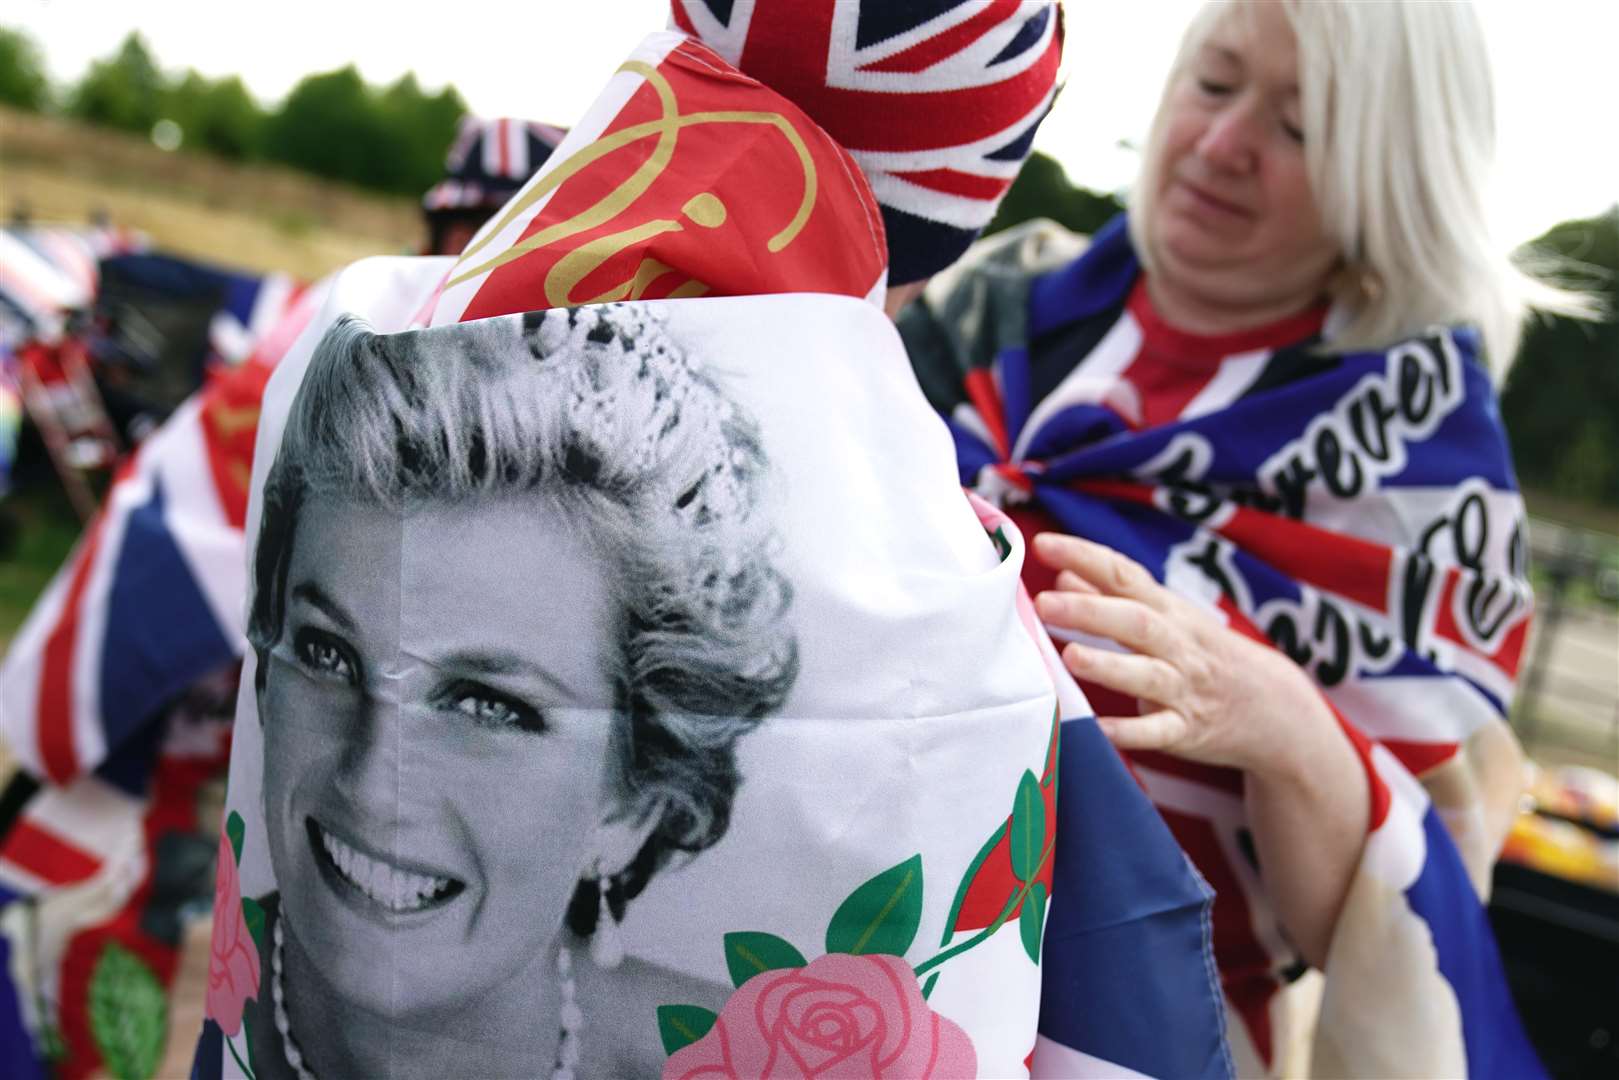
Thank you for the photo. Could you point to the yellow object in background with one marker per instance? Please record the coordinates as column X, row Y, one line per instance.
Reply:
column 1569, row 826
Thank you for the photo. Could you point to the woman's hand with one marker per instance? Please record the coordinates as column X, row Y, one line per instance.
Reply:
column 1215, row 696
column 1221, row 698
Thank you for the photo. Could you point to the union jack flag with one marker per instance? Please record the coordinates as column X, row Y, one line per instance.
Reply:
column 937, row 101
column 151, row 599
column 147, row 612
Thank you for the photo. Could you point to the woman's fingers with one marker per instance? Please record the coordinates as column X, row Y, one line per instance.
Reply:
column 1134, row 675
column 1163, row 730
column 1069, row 581
column 1128, row 622
column 1102, row 567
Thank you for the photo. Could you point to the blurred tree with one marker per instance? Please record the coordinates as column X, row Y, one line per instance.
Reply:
column 1561, row 402
column 124, row 90
column 337, row 126
column 327, row 125
column 424, row 126
column 1042, row 189
column 22, row 72
column 220, row 116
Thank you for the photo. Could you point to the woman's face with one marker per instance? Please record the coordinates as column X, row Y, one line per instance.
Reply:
column 436, row 721
column 1235, row 215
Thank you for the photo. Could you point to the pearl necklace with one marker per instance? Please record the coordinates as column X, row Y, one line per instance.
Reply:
column 572, row 1018
column 283, row 1022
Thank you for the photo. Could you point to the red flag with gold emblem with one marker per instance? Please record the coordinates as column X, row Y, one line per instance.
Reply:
column 703, row 181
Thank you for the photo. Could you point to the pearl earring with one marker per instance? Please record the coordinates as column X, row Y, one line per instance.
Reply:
column 606, row 948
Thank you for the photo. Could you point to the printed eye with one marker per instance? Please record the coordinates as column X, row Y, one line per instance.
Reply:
column 1213, row 88
column 325, row 654
column 491, row 708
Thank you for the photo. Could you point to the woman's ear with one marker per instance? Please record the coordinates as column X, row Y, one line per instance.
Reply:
column 619, row 839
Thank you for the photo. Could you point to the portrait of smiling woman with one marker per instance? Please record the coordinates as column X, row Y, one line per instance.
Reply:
column 513, row 607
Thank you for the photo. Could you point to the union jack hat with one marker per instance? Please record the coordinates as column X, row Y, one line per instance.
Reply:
column 938, row 100
column 488, row 161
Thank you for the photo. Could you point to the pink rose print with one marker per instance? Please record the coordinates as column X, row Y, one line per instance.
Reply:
column 840, row 1017
column 233, row 961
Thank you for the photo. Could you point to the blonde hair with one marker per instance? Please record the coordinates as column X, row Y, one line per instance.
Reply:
column 1398, row 112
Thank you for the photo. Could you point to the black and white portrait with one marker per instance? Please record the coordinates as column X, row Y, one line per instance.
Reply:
column 514, row 606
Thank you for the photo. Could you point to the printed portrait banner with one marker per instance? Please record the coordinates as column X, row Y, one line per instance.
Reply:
column 595, row 629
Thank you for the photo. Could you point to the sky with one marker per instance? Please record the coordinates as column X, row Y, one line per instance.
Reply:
column 1554, row 64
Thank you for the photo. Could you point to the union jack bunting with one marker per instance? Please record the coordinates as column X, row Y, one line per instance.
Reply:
column 1357, row 511
column 95, row 877
column 937, row 100
column 35, row 292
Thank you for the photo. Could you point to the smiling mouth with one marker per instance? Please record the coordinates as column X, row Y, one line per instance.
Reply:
column 391, row 887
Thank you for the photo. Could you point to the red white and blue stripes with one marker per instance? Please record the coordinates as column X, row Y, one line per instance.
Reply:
column 151, row 599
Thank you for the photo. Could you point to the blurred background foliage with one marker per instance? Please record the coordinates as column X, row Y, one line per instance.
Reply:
column 1560, row 403
column 332, row 124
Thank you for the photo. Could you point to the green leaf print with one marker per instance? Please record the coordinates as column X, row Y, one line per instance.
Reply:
column 253, row 915
column 1031, row 921
column 880, row 917
column 235, row 828
column 749, row 953
column 1028, row 827
column 129, row 1014
column 682, row 1025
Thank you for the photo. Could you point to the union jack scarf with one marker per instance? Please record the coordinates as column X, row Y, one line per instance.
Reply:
column 1358, row 511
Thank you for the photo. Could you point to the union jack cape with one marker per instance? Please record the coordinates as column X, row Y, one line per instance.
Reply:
column 1360, row 512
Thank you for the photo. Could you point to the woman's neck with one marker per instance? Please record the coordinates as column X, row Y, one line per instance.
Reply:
column 512, row 1029
column 1193, row 312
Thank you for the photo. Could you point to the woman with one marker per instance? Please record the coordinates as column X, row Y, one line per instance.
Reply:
column 1244, row 389
column 513, row 608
